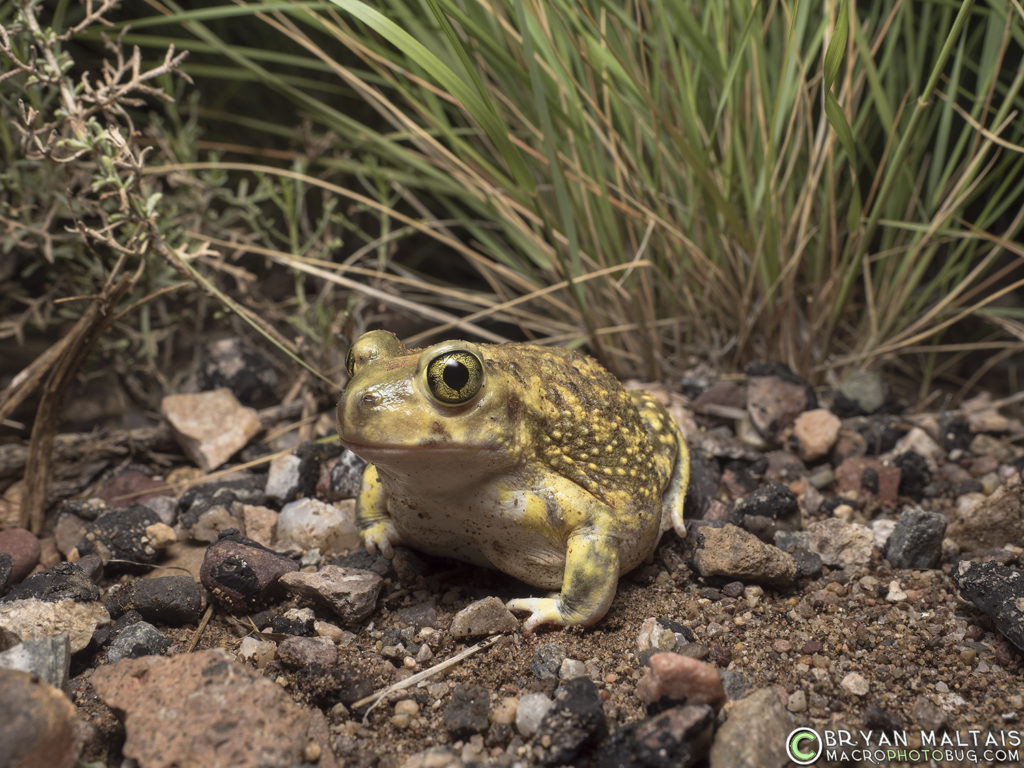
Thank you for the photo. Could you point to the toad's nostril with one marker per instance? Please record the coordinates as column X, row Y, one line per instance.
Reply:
column 370, row 399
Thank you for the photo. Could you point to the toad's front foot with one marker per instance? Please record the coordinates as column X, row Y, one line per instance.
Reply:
column 382, row 536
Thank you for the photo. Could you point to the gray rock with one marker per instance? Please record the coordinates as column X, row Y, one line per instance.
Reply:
column 48, row 658
column 467, row 711
column 5, row 570
column 735, row 683
column 234, row 364
column 839, row 543
column 998, row 591
column 36, row 723
column 862, row 392
column 916, row 541
column 345, row 477
column 135, row 640
column 283, row 477
column 574, row 724
column 530, row 712
column 754, row 734
column 484, row 617
column 350, row 592
column 775, row 397
column 770, row 508
column 730, row 553
column 300, row 652
column 547, row 661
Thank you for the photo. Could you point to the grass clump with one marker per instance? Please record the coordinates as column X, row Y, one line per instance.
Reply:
column 830, row 184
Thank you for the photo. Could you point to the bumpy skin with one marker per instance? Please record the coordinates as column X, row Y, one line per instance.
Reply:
column 531, row 460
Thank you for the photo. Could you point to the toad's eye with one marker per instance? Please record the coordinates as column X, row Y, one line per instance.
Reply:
column 454, row 378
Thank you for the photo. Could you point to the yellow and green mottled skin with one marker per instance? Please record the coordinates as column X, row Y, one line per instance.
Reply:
column 542, row 466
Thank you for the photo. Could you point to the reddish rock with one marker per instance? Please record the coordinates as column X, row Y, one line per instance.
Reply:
column 235, row 716
column 210, row 426
column 860, row 474
column 681, row 679
column 129, row 488
column 24, row 549
column 36, row 723
column 240, row 574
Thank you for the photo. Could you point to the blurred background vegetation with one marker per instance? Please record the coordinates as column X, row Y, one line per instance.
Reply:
column 834, row 185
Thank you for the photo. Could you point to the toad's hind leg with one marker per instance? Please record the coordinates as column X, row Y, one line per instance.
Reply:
column 671, row 459
column 588, row 585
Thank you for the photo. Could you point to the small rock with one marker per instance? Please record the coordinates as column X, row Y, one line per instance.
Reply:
column 990, row 522
column 547, row 661
column 417, row 616
column 5, row 570
column 135, row 640
column 124, row 538
column 260, row 524
column 530, row 712
column 207, row 525
column 770, row 508
column 36, row 723
column 344, row 478
column 861, row 393
column 674, row 679
column 298, row 652
column 677, row 738
column 235, row 716
column 839, row 543
column 241, row 574
column 309, row 523
column 797, row 701
column 64, row 581
column 210, row 426
column 257, row 652
column 855, row 683
column 916, row 541
column 23, row 548
column 571, row 668
column 730, row 553
column 48, row 658
column 735, row 684
column 895, row 593
column 575, row 722
column 816, row 432
column 859, row 474
column 917, row 441
column 998, row 591
column 467, row 711
column 662, row 635
column 23, row 620
column 350, row 592
column 128, row 488
column 754, row 734
column 484, row 617
column 775, row 397
column 283, row 477
column 172, row 600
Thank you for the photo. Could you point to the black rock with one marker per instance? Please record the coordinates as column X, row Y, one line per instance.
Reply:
column 172, row 600
column 5, row 570
column 119, row 538
column 916, row 541
column 241, row 574
column 914, row 474
column 547, row 661
column 878, row 718
column 417, row 616
column 282, row 625
column 880, row 432
column 64, row 581
column 704, row 475
column 86, row 509
column 574, row 723
column 808, row 564
column 735, row 683
column 954, row 432
column 998, row 591
column 770, row 508
column 677, row 737
column 312, row 455
column 135, row 640
column 467, row 711
column 241, row 368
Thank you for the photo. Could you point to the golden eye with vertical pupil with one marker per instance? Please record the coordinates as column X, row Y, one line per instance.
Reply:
column 455, row 377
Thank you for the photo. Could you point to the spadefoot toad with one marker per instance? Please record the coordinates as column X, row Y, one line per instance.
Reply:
column 528, row 459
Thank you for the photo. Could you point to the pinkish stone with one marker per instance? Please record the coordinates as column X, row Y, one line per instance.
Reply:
column 24, row 549
column 860, row 474
column 681, row 678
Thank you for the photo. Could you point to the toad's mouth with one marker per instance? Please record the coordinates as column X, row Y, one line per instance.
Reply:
column 392, row 449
